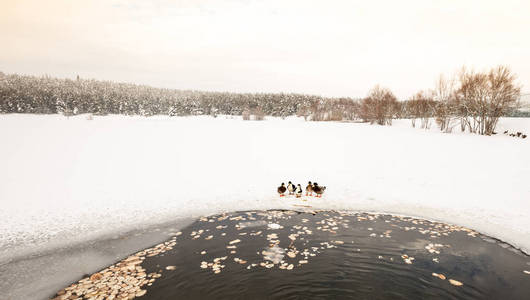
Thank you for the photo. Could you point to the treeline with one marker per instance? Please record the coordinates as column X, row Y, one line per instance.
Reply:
column 48, row 95
column 472, row 101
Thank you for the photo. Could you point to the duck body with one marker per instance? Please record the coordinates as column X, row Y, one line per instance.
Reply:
column 309, row 189
column 322, row 189
column 299, row 191
column 282, row 189
column 291, row 188
column 319, row 190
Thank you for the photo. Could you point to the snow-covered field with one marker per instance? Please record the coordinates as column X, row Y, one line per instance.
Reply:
column 68, row 180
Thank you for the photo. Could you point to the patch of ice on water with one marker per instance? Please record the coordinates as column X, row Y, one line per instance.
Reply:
column 251, row 224
column 274, row 226
column 274, row 254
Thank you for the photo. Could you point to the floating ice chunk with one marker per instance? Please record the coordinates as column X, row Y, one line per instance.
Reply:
column 274, row 254
column 250, row 224
column 274, row 226
column 455, row 282
column 272, row 236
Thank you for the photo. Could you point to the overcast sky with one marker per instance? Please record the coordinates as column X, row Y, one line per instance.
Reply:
column 329, row 48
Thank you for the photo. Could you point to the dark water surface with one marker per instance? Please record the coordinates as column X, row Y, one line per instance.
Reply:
column 334, row 255
column 315, row 255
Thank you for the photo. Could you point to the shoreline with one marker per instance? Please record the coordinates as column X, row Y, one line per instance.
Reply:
column 47, row 272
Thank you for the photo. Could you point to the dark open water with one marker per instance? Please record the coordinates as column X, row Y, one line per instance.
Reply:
column 334, row 255
column 349, row 256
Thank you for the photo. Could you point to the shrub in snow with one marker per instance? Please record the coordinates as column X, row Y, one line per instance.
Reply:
column 483, row 97
column 246, row 115
column 474, row 99
column 379, row 106
column 259, row 115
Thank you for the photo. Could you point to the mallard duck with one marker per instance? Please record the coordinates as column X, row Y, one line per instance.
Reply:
column 282, row 189
column 319, row 190
column 291, row 188
column 298, row 191
column 309, row 189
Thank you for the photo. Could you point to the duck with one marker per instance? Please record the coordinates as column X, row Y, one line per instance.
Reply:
column 319, row 190
column 282, row 189
column 291, row 188
column 309, row 189
column 298, row 191
column 323, row 188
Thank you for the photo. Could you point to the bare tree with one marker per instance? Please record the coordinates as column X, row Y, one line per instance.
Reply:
column 472, row 95
column 246, row 115
column 303, row 112
column 378, row 107
column 317, row 110
column 444, row 94
column 503, row 96
column 483, row 98
column 258, row 113
column 421, row 106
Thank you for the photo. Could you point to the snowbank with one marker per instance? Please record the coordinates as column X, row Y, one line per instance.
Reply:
column 67, row 180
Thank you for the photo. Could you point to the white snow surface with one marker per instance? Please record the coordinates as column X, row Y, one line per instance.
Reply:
column 69, row 180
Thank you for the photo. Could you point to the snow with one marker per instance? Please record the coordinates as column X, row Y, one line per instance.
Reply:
column 71, row 180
